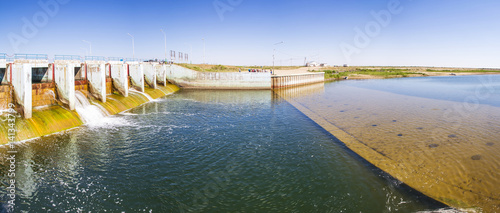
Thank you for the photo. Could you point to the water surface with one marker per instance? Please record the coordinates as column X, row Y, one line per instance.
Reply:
column 440, row 135
column 203, row 151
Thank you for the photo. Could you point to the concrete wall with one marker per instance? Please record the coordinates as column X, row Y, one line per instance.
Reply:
column 217, row 80
column 43, row 94
column 120, row 77
column 109, row 86
column 297, row 79
column 136, row 75
column 49, row 76
column 161, row 75
column 65, row 81
column 82, row 86
column 97, row 79
column 21, row 81
column 149, row 74
column 5, row 96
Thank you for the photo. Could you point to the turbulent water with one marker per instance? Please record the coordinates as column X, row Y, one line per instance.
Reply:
column 202, row 151
column 88, row 112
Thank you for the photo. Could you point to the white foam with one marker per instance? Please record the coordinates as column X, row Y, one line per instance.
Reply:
column 88, row 112
column 146, row 95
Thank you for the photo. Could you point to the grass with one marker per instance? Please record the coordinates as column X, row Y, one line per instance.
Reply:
column 385, row 73
column 464, row 70
column 229, row 68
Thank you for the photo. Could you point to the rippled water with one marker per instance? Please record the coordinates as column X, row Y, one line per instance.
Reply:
column 440, row 135
column 203, row 151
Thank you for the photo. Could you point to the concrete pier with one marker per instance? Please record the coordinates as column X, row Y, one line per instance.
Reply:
column 21, row 82
column 119, row 74
column 96, row 75
column 161, row 75
column 27, row 76
column 136, row 75
column 65, row 80
column 149, row 74
column 297, row 79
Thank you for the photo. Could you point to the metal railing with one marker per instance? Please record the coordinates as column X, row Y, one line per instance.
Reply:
column 31, row 56
column 132, row 59
column 95, row 58
column 8, row 58
column 68, row 57
column 115, row 59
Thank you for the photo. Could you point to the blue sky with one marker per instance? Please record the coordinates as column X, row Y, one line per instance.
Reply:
column 452, row 33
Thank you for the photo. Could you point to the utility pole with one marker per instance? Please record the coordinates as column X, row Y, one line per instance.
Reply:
column 203, row 50
column 274, row 53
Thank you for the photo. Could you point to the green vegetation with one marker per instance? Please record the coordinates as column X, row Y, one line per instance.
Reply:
column 330, row 74
column 385, row 73
column 276, row 67
column 229, row 68
column 210, row 68
column 464, row 70
column 192, row 67
column 217, row 68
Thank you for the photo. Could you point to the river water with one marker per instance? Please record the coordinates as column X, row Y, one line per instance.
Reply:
column 225, row 151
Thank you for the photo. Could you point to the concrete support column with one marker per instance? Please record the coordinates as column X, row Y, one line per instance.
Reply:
column 96, row 74
column 149, row 74
column 21, row 81
column 137, row 76
column 161, row 74
column 120, row 77
column 65, row 82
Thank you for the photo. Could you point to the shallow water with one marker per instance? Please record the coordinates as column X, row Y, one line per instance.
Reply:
column 437, row 134
column 203, row 151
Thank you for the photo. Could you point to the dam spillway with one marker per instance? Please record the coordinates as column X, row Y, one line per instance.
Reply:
column 45, row 95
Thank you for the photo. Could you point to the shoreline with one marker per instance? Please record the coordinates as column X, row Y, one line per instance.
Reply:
column 427, row 74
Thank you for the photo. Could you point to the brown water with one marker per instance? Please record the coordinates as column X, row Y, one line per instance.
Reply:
column 439, row 135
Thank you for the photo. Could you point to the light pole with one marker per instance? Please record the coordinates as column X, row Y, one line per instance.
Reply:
column 165, row 35
column 133, row 46
column 274, row 53
column 203, row 50
column 88, row 42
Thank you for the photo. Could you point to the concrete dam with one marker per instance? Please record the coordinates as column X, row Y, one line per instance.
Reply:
column 51, row 96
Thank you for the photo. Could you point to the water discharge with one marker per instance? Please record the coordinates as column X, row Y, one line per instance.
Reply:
column 88, row 112
column 143, row 93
